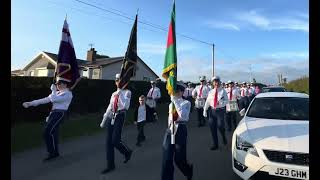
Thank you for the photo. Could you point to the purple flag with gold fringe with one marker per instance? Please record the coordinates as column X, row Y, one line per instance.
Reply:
column 67, row 68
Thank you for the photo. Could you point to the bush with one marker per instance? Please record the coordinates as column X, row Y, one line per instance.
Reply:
column 89, row 96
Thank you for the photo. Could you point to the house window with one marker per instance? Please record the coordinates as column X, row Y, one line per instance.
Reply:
column 31, row 73
column 96, row 74
column 42, row 72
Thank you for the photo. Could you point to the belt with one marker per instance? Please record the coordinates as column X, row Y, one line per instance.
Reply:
column 120, row 111
column 218, row 109
column 58, row 110
column 181, row 122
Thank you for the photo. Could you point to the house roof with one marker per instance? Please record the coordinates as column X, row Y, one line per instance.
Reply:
column 101, row 60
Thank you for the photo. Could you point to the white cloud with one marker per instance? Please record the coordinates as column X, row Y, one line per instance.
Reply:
column 222, row 25
column 286, row 55
column 264, row 69
column 296, row 21
column 254, row 18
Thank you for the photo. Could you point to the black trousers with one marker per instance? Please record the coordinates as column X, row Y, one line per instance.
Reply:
column 231, row 118
column 244, row 102
column 175, row 152
column 216, row 121
column 201, row 118
column 114, row 139
column 51, row 131
column 141, row 137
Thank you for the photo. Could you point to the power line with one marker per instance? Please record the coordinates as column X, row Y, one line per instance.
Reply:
column 142, row 22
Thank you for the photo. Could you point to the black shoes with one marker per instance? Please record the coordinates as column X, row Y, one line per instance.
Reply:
column 51, row 157
column 109, row 169
column 128, row 156
column 214, row 148
column 191, row 173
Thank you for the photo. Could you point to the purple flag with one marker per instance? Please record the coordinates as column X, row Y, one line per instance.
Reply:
column 67, row 66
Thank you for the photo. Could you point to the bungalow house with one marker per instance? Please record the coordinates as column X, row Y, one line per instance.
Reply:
column 94, row 67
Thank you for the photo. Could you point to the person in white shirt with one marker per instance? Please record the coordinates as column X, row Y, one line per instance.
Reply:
column 153, row 96
column 252, row 91
column 215, row 107
column 177, row 152
column 114, row 118
column 60, row 98
column 244, row 101
column 209, row 85
column 141, row 116
column 200, row 94
column 187, row 94
column 231, row 114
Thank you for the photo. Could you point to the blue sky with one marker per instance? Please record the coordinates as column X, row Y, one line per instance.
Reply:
column 270, row 36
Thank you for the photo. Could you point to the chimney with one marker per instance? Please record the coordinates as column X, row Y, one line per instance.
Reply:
column 91, row 55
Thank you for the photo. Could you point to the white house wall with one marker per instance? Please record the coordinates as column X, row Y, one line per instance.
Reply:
column 42, row 62
column 142, row 73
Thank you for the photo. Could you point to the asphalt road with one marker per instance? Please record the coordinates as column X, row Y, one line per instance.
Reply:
column 84, row 158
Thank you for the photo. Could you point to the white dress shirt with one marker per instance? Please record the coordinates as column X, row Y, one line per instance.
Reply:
column 154, row 93
column 243, row 92
column 235, row 94
column 123, row 104
column 141, row 113
column 60, row 99
column 183, row 109
column 221, row 101
column 200, row 100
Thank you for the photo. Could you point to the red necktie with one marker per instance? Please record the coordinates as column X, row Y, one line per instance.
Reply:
column 230, row 94
column 200, row 94
column 115, row 103
column 215, row 99
column 242, row 92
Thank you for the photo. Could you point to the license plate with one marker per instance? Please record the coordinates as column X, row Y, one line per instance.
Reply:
column 291, row 173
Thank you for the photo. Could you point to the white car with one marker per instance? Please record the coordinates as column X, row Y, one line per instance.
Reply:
column 272, row 139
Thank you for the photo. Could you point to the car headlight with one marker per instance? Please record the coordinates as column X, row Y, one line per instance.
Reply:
column 243, row 145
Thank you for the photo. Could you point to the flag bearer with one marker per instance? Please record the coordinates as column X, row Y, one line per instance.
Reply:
column 114, row 118
column 177, row 152
column 60, row 98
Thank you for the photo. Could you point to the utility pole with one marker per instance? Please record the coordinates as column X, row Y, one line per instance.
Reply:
column 212, row 59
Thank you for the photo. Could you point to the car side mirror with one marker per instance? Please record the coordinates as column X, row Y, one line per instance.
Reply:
column 242, row 112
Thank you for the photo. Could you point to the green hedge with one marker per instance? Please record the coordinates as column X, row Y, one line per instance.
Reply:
column 299, row 85
column 89, row 96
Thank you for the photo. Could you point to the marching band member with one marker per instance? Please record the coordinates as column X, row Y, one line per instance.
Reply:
column 200, row 94
column 60, row 98
column 177, row 152
column 244, row 101
column 188, row 95
column 216, row 105
column 153, row 96
column 231, row 112
column 114, row 118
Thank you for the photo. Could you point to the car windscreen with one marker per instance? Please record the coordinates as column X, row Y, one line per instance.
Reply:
column 273, row 90
column 284, row 108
